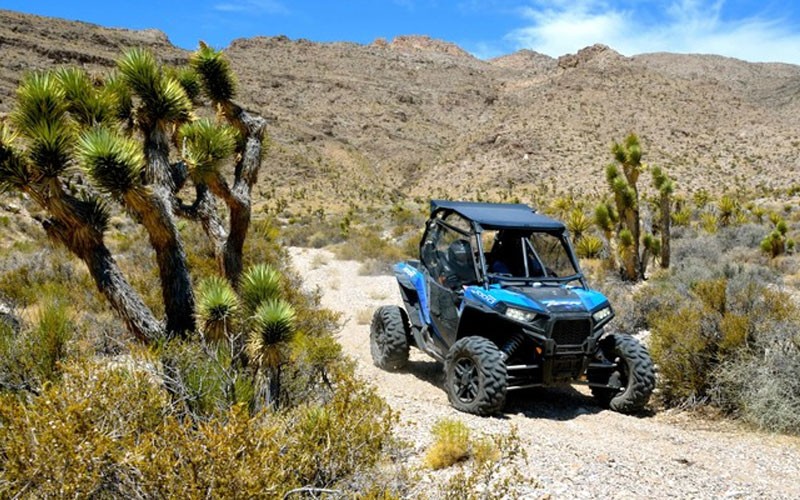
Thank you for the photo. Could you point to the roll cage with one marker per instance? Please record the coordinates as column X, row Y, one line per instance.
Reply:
column 517, row 228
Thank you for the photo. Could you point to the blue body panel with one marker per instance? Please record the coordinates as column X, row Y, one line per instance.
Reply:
column 544, row 300
column 417, row 280
column 591, row 299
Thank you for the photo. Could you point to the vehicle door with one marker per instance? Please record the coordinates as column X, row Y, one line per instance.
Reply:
column 443, row 255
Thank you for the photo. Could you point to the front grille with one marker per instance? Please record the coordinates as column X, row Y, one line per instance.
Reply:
column 571, row 331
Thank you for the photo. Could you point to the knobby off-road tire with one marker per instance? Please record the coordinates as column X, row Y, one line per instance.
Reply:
column 388, row 338
column 634, row 375
column 475, row 376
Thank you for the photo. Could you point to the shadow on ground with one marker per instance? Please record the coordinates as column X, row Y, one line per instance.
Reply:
column 562, row 402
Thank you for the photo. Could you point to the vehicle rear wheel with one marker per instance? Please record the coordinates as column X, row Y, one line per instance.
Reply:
column 631, row 383
column 475, row 376
column 388, row 338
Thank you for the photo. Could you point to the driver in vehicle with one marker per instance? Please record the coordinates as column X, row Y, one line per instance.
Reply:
column 506, row 256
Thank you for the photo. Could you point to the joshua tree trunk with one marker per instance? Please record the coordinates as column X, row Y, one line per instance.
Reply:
column 636, row 230
column 238, row 198
column 155, row 212
column 665, row 231
column 87, row 244
column 123, row 298
column 274, row 396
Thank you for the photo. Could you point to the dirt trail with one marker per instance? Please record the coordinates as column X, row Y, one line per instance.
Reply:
column 575, row 449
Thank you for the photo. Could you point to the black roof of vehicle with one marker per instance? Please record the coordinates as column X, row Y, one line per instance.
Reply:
column 499, row 215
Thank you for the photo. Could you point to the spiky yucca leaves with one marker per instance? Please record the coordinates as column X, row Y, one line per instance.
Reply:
column 272, row 328
column 577, row 223
column 589, row 247
column 120, row 96
column 114, row 163
column 41, row 116
column 259, row 283
column 40, row 99
column 206, row 144
column 219, row 83
column 629, row 155
column 163, row 99
column 189, row 80
column 217, row 308
column 627, row 252
column 605, row 218
column 87, row 104
column 727, row 207
column 14, row 171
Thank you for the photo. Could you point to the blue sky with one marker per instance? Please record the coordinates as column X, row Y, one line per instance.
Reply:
column 763, row 31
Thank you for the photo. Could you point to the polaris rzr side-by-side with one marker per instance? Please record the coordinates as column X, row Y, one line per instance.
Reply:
column 499, row 298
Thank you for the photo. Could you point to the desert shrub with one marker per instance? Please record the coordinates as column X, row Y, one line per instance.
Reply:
column 366, row 244
column 497, row 475
column 683, row 348
column 74, row 438
column 201, row 380
column 35, row 355
column 451, row 444
column 760, row 384
column 719, row 329
column 111, row 431
column 311, row 232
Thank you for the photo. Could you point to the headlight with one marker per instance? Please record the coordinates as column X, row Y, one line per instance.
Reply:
column 520, row 314
column 602, row 314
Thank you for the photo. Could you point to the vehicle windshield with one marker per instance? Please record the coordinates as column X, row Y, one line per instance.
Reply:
column 525, row 255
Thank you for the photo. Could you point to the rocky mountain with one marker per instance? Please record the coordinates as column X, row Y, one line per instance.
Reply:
column 423, row 117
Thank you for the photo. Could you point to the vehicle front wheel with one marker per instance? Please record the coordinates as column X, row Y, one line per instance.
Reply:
column 388, row 338
column 628, row 386
column 475, row 376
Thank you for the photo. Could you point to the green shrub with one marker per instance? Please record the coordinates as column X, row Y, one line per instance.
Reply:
column 451, row 444
column 111, row 431
column 728, row 341
column 35, row 355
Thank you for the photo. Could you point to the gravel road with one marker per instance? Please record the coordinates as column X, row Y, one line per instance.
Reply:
column 575, row 449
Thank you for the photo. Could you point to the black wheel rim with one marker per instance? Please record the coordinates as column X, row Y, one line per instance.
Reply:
column 465, row 380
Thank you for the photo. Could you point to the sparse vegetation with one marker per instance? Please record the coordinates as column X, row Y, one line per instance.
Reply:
column 86, row 411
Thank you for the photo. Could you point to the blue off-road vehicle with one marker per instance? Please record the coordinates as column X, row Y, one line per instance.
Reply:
column 499, row 298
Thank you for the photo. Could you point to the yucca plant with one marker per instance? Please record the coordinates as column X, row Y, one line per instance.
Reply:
column 589, row 247
column 727, row 209
column 217, row 309
column 260, row 283
column 271, row 331
column 627, row 253
column 577, row 223
column 33, row 161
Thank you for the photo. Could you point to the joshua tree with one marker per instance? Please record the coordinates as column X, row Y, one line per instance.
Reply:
column 119, row 131
column 622, row 177
column 665, row 188
column 628, row 156
column 605, row 218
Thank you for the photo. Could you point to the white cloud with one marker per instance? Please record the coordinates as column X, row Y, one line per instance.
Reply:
column 685, row 26
column 252, row 7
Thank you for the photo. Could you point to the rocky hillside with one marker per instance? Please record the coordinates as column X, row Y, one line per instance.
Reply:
column 422, row 116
